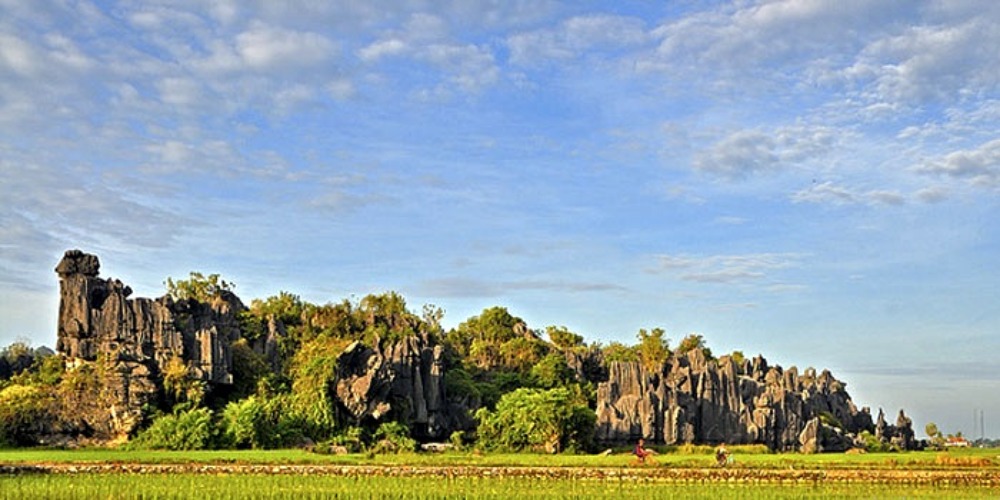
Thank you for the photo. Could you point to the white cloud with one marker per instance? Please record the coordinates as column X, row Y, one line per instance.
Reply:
column 749, row 152
column 979, row 166
column 948, row 62
column 932, row 194
column 383, row 48
column 184, row 92
column 747, row 37
column 270, row 48
column 469, row 67
column 574, row 37
column 739, row 155
column 474, row 287
column 830, row 193
column 47, row 209
column 725, row 268
column 49, row 57
column 341, row 89
column 426, row 39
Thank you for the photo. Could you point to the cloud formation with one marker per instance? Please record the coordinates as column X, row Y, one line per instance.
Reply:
column 725, row 269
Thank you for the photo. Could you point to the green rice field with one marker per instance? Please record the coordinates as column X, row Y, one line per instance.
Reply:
column 228, row 486
column 109, row 473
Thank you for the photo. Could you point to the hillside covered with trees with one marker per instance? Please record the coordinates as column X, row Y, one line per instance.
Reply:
column 197, row 368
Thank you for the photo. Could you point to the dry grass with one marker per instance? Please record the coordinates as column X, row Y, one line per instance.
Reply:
column 962, row 461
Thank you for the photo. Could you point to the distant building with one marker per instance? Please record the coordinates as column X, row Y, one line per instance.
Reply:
column 957, row 442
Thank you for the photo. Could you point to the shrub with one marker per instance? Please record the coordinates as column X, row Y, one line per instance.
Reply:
column 181, row 430
column 244, row 423
column 353, row 438
column 533, row 419
column 457, row 440
column 261, row 422
column 872, row 443
column 24, row 412
column 393, row 437
column 828, row 419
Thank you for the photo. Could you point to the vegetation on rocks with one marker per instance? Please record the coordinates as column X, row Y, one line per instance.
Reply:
column 197, row 368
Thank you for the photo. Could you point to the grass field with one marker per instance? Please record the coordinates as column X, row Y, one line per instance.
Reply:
column 971, row 457
column 155, row 486
column 109, row 473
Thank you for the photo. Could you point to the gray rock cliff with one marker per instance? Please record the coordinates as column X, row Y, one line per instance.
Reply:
column 136, row 338
column 696, row 400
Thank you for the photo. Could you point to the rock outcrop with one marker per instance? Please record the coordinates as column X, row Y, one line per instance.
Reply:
column 696, row 400
column 900, row 435
column 401, row 380
column 689, row 399
column 136, row 338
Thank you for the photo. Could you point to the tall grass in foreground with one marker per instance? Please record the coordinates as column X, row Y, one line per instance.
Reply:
column 170, row 486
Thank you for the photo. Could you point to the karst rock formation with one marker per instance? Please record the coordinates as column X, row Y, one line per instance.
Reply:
column 692, row 399
column 689, row 399
column 136, row 338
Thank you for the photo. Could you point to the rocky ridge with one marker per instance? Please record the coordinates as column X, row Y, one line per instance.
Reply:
column 689, row 399
column 692, row 399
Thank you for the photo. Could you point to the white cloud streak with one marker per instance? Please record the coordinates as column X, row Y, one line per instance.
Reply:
column 725, row 269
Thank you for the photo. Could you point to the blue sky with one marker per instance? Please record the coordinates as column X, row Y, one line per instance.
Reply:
column 816, row 181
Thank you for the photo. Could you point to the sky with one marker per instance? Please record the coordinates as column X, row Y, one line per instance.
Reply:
column 813, row 181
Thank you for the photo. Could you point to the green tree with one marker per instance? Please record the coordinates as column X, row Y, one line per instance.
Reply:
column 393, row 437
column 385, row 316
column 493, row 327
column 692, row 342
column 198, row 287
column 738, row 357
column 260, row 421
column 522, row 353
column 285, row 307
column 936, row 437
column 539, row 420
column 249, row 368
column 562, row 338
column 180, row 385
column 653, row 349
column 616, row 352
column 552, row 371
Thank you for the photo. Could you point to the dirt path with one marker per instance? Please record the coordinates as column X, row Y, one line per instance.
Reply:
column 956, row 477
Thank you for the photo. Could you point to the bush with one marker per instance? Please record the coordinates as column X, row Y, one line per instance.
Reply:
column 457, row 440
column 537, row 420
column 352, row 438
column 181, row 430
column 24, row 412
column 261, row 422
column 872, row 443
column 244, row 423
column 393, row 437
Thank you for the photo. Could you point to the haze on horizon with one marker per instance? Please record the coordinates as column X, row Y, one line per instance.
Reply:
column 815, row 181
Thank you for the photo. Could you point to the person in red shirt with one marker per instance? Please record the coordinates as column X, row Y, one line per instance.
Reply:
column 641, row 452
